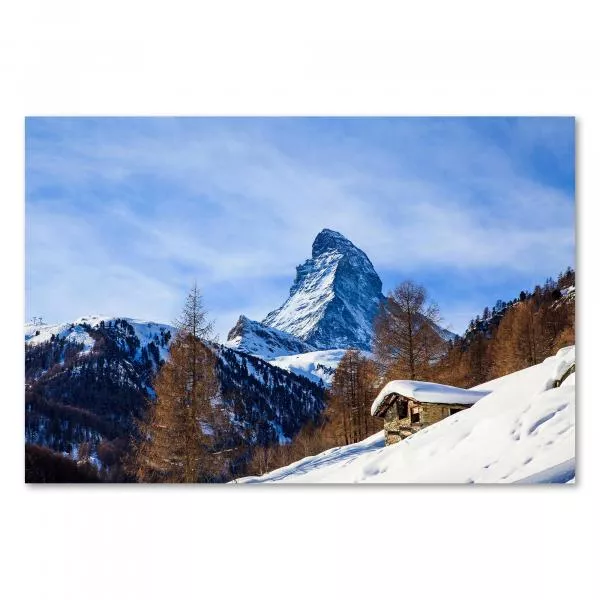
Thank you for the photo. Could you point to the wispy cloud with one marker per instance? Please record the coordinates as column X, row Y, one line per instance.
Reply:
column 122, row 214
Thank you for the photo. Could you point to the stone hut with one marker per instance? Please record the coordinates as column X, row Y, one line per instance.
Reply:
column 408, row 406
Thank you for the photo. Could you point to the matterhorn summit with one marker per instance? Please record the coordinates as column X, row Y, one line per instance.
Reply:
column 334, row 298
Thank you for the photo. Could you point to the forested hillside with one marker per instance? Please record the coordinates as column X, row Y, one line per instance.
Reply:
column 90, row 382
column 512, row 335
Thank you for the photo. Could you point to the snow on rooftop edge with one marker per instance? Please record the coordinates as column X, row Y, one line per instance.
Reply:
column 436, row 393
column 428, row 393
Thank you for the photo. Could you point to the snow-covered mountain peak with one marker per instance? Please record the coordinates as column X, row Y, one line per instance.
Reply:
column 81, row 331
column 328, row 240
column 334, row 298
column 255, row 338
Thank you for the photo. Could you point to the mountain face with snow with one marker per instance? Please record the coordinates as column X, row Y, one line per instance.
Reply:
column 257, row 339
column 284, row 350
column 331, row 307
column 334, row 298
column 89, row 380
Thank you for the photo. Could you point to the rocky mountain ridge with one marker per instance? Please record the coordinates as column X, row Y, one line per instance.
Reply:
column 333, row 300
column 255, row 338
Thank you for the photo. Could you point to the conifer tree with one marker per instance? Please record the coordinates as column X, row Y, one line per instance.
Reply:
column 178, row 435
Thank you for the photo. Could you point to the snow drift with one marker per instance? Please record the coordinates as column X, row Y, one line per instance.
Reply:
column 316, row 366
column 521, row 431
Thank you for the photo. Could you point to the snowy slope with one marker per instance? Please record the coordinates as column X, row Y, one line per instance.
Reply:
column 317, row 366
column 284, row 350
column 71, row 332
column 265, row 342
column 523, row 431
column 334, row 298
column 145, row 331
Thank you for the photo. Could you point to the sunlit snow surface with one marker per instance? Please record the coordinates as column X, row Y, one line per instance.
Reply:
column 145, row 331
column 523, row 431
column 71, row 332
column 316, row 366
column 334, row 298
column 263, row 341
column 303, row 310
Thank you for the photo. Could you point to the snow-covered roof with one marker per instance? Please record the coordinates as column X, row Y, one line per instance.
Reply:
column 428, row 393
column 562, row 362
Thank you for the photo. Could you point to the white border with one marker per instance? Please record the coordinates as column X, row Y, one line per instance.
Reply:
column 69, row 57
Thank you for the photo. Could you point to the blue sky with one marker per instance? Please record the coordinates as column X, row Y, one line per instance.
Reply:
column 123, row 214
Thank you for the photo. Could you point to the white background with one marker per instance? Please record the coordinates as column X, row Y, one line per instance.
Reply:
column 296, row 58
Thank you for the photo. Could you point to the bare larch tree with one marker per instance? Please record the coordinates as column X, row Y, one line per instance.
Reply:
column 407, row 339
